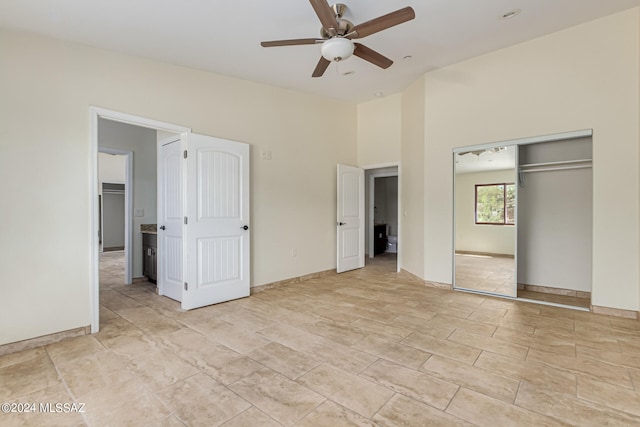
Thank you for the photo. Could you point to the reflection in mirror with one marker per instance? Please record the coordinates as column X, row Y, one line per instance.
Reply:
column 485, row 216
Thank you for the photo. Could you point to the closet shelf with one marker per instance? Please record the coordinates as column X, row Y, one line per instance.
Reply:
column 555, row 166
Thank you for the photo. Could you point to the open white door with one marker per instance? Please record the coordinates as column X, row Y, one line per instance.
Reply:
column 350, row 222
column 217, row 221
column 170, row 220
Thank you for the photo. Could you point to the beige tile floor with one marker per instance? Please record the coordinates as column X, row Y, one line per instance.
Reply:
column 485, row 273
column 495, row 275
column 369, row 347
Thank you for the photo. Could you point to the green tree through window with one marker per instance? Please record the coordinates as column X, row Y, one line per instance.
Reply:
column 495, row 204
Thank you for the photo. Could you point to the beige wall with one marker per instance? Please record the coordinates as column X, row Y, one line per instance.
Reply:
column 411, row 180
column 111, row 169
column 47, row 87
column 379, row 131
column 584, row 77
column 554, row 229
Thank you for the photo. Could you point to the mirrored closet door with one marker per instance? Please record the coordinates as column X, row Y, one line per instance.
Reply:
column 523, row 219
column 485, row 193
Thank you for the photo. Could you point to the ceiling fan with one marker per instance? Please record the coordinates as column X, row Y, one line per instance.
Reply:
column 483, row 151
column 475, row 153
column 337, row 34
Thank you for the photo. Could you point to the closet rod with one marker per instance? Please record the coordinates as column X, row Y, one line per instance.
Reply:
column 564, row 162
column 555, row 169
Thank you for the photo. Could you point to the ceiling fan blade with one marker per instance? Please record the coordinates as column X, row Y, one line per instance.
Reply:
column 382, row 23
column 372, row 56
column 292, row 42
column 322, row 66
column 326, row 15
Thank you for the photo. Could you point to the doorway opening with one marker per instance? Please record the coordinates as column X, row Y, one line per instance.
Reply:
column 180, row 178
column 114, row 185
column 112, row 216
column 120, row 134
column 382, row 217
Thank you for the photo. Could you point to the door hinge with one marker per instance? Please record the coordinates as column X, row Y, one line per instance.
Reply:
column 185, row 154
column 185, row 220
column 186, row 286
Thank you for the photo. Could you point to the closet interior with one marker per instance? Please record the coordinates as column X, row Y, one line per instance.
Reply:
column 555, row 218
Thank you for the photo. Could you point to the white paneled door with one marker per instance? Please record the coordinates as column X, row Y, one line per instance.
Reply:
column 209, row 197
column 217, row 225
column 170, row 220
column 350, row 218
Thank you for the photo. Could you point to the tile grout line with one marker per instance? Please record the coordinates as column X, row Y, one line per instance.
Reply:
column 66, row 386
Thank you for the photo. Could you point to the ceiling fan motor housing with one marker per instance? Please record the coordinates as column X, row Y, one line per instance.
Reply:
column 344, row 27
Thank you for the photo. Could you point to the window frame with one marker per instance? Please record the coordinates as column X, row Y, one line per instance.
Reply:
column 475, row 205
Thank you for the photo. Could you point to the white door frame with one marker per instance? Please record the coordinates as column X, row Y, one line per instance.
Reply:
column 372, row 189
column 128, row 208
column 96, row 113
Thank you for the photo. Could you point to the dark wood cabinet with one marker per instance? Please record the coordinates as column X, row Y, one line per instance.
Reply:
column 150, row 262
column 379, row 238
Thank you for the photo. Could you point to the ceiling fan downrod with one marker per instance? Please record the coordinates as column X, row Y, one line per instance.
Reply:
column 344, row 25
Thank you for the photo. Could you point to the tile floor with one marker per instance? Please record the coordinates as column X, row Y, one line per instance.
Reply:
column 485, row 273
column 495, row 275
column 369, row 347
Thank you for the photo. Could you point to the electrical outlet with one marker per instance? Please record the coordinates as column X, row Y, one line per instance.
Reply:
column 138, row 212
column 294, row 252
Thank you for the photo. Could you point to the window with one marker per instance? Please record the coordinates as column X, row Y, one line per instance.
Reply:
column 495, row 204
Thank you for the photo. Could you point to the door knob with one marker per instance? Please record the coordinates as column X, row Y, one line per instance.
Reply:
column 162, row 227
column 245, row 227
column 342, row 223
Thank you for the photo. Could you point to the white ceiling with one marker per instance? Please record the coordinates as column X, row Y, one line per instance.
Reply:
column 224, row 36
column 486, row 160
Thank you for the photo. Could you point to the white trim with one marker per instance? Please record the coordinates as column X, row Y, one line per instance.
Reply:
column 96, row 113
column 128, row 209
column 381, row 166
column 530, row 140
column 516, row 211
column 398, row 251
column 94, row 246
column 453, row 228
column 117, row 116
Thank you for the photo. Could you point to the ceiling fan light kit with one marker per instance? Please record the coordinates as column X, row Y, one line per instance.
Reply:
column 337, row 49
column 337, row 34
